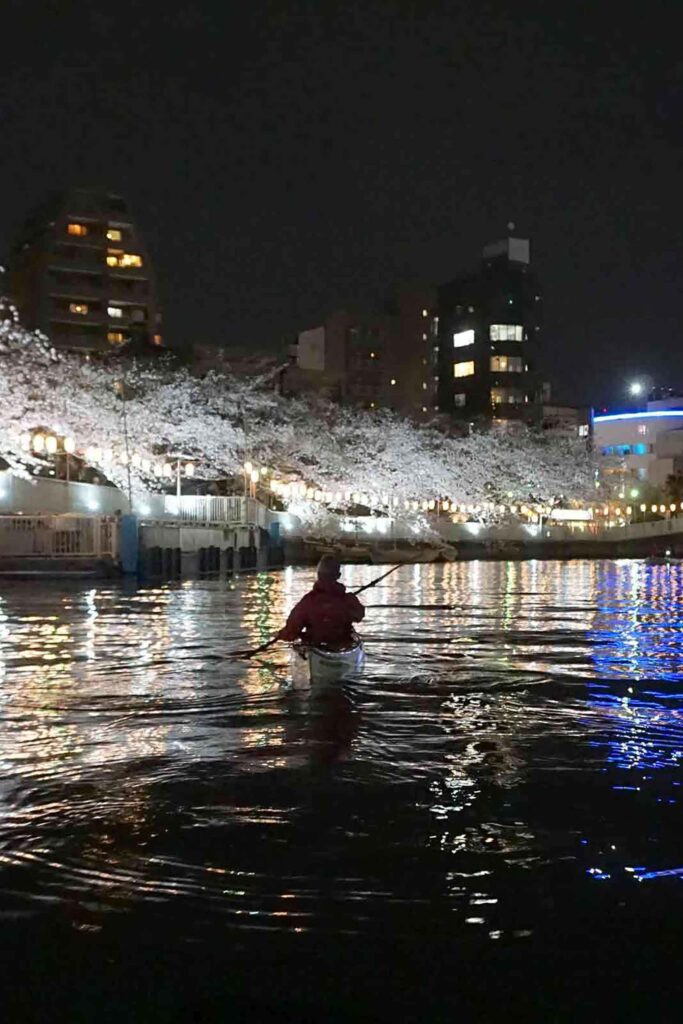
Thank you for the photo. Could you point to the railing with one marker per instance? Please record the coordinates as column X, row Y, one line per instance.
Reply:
column 226, row 511
column 636, row 531
column 58, row 537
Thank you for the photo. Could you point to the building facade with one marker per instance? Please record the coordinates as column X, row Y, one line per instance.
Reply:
column 350, row 358
column 640, row 448
column 80, row 273
column 489, row 324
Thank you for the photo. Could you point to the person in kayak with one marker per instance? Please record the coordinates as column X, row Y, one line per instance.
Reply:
column 325, row 616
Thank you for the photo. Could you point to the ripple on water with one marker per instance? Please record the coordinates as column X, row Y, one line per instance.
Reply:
column 507, row 757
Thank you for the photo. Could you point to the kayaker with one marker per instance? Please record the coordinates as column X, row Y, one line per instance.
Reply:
column 325, row 616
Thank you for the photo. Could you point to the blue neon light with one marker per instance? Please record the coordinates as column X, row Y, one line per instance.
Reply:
column 638, row 415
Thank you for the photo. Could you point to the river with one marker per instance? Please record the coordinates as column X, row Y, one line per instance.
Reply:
column 487, row 823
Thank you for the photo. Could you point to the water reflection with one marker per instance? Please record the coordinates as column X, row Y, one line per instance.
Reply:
column 516, row 738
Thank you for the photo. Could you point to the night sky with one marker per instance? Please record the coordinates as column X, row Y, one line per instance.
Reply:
column 288, row 159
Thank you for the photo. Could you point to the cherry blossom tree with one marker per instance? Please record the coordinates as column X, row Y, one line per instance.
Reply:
column 134, row 415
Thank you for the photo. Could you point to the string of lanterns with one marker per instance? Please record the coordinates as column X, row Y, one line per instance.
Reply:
column 302, row 491
column 50, row 444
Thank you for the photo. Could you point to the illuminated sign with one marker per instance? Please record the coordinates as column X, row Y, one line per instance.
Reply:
column 569, row 515
column 638, row 415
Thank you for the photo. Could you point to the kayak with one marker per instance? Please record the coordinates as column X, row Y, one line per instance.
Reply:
column 311, row 665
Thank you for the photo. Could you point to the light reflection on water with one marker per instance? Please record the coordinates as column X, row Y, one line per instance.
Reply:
column 500, row 758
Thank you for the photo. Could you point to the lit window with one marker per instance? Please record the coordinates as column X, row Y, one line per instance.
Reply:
column 463, row 338
column 77, row 229
column 642, row 429
column 583, row 430
column 463, row 369
column 114, row 235
column 114, row 311
column 459, row 400
column 157, row 339
column 506, row 364
column 116, row 337
column 506, row 396
column 123, row 259
column 506, row 332
column 78, row 307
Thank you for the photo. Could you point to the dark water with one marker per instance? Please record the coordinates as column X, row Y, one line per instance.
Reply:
column 488, row 825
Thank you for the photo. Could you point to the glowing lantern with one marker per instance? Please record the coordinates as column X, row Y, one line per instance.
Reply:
column 189, row 469
column 38, row 442
column 50, row 444
column 69, row 445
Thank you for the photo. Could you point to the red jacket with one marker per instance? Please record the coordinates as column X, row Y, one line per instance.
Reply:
column 325, row 616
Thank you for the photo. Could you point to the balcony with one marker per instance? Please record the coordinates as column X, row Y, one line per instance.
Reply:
column 126, row 289
column 85, row 260
column 74, row 288
column 95, row 317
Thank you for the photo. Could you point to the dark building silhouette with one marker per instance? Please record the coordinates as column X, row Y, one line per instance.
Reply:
column 489, row 338
column 80, row 273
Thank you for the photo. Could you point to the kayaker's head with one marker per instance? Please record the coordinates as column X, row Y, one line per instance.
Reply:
column 329, row 569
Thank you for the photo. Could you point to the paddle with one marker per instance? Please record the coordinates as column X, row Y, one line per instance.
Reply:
column 255, row 650
column 384, row 575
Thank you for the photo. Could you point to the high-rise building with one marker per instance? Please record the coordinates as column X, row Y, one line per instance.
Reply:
column 489, row 337
column 80, row 273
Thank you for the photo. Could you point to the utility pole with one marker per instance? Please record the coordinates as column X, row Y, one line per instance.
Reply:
column 121, row 388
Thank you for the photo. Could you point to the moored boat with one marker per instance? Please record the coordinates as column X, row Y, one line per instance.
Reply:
column 314, row 665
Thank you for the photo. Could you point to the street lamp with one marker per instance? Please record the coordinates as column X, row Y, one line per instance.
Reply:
column 636, row 388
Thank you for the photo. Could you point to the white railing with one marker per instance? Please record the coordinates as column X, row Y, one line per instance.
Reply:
column 636, row 531
column 227, row 511
column 58, row 537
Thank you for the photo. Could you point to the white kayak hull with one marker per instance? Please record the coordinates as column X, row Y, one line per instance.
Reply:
column 311, row 666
